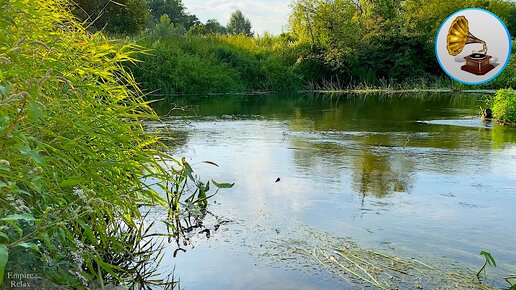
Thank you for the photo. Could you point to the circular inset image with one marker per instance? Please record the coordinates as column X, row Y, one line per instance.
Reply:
column 473, row 46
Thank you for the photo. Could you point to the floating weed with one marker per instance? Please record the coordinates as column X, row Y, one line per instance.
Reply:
column 359, row 266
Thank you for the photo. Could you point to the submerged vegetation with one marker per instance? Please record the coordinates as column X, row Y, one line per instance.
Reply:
column 358, row 266
column 75, row 161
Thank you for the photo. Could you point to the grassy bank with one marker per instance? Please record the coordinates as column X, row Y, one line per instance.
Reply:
column 216, row 63
column 194, row 64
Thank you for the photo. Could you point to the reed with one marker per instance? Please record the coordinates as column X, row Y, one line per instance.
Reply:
column 75, row 160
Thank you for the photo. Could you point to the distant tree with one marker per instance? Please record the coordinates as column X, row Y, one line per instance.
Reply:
column 175, row 10
column 213, row 26
column 198, row 29
column 511, row 22
column 121, row 16
column 239, row 24
column 165, row 28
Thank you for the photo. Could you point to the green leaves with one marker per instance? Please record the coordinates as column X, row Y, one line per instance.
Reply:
column 30, row 246
column 4, row 257
column 16, row 217
column 3, row 91
column 222, row 185
column 489, row 259
column 87, row 231
column 4, row 236
column 75, row 152
column 26, row 151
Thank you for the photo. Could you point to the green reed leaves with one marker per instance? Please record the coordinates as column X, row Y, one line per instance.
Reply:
column 75, row 159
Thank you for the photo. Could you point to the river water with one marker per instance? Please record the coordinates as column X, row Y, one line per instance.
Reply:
column 411, row 176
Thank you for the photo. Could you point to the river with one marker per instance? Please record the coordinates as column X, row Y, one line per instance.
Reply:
column 409, row 175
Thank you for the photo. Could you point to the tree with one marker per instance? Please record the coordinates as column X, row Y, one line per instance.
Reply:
column 175, row 10
column 122, row 16
column 213, row 26
column 511, row 22
column 239, row 24
column 165, row 28
column 198, row 29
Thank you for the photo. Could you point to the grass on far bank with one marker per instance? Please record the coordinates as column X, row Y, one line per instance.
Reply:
column 215, row 64
column 207, row 64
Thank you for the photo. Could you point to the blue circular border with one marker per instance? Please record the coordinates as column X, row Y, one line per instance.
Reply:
column 508, row 56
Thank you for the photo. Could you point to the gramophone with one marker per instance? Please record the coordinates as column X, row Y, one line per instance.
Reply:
column 458, row 36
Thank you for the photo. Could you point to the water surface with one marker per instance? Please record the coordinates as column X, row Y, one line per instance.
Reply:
column 415, row 176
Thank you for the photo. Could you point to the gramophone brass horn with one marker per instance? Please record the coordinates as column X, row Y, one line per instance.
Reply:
column 459, row 36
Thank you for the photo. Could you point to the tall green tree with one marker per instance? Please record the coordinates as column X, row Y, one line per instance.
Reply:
column 121, row 16
column 213, row 26
column 175, row 10
column 239, row 24
column 511, row 22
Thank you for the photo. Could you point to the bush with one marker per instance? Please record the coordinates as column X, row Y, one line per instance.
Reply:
column 214, row 64
column 74, row 158
column 504, row 106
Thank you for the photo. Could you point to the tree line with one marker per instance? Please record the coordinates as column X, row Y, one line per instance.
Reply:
column 336, row 42
column 389, row 39
column 133, row 16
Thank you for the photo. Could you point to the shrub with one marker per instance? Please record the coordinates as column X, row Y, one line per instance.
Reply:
column 215, row 63
column 74, row 157
column 504, row 106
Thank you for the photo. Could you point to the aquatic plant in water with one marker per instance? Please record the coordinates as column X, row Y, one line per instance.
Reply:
column 360, row 266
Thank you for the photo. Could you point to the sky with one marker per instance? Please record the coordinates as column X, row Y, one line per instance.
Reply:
column 265, row 15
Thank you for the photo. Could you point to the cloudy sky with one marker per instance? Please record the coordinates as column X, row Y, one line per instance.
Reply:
column 265, row 15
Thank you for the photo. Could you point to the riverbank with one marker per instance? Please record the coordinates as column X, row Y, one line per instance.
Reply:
column 345, row 91
column 239, row 64
column 220, row 64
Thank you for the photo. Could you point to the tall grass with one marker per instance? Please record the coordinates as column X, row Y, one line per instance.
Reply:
column 194, row 64
column 214, row 64
column 74, row 157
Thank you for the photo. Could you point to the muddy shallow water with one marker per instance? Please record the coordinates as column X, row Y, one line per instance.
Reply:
column 412, row 176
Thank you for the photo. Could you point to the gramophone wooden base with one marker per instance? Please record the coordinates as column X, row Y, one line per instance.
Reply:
column 478, row 64
column 476, row 71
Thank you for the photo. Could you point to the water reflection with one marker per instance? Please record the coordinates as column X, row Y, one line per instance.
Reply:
column 379, row 175
column 421, row 174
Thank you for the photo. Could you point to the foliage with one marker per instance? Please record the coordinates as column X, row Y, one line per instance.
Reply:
column 121, row 16
column 213, row 26
column 215, row 63
column 504, row 106
column 337, row 42
column 166, row 29
column 371, row 41
column 488, row 260
column 75, row 161
column 511, row 21
column 239, row 24
column 174, row 9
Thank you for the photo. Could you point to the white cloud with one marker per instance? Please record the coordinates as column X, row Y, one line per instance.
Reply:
column 265, row 16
